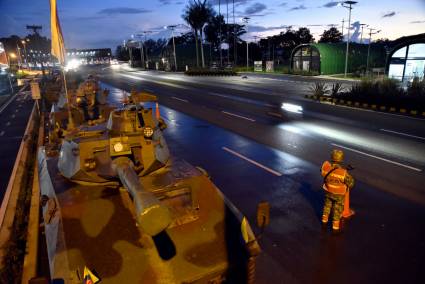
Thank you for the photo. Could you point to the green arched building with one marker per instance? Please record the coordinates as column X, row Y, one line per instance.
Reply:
column 329, row 58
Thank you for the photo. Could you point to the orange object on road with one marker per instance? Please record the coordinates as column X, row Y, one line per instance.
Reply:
column 157, row 111
column 348, row 212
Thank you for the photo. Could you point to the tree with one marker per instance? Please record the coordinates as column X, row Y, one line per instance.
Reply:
column 304, row 36
column 332, row 35
column 186, row 38
column 197, row 13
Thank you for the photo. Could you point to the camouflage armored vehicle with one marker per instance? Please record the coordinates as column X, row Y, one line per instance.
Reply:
column 116, row 203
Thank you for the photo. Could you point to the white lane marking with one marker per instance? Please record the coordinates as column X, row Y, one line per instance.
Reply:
column 240, row 116
column 376, row 157
column 275, row 114
column 2, row 133
column 149, row 90
column 403, row 134
column 179, row 99
column 252, row 161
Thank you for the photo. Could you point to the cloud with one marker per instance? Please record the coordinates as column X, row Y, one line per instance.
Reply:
column 331, row 4
column 300, row 7
column 170, row 2
column 283, row 4
column 257, row 29
column 417, row 22
column 389, row 14
column 122, row 10
column 255, row 8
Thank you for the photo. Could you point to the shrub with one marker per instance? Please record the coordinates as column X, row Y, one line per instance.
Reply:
column 336, row 89
column 319, row 89
column 207, row 72
column 416, row 87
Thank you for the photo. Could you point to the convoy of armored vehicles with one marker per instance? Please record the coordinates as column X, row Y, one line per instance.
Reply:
column 115, row 202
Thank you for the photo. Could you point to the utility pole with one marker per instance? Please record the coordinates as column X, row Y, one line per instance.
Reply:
column 219, row 32
column 368, row 48
column 342, row 28
column 246, row 20
column 228, row 38
column 235, row 47
column 349, row 6
column 361, row 35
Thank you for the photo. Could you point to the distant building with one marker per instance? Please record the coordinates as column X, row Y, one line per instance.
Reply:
column 406, row 60
column 329, row 58
column 90, row 56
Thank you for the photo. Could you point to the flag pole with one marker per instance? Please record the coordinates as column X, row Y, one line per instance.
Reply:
column 58, row 50
column 68, row 101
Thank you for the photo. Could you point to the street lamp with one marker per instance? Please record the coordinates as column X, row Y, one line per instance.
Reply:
column 142, row 57
column 361, row 35
column 368, row 48
column 348, row 5
column 172, row 28
column 245, row 20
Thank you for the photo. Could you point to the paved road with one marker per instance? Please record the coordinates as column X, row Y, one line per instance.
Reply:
column 13, row 121
column 259, row 158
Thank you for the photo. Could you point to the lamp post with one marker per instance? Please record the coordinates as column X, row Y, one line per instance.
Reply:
column 349, row 6
column 172, row 27
column 368, row 48
column 361, row 34
column 142, row 57
column 246, row 20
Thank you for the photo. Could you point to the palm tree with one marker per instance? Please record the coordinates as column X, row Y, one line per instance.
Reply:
column 197, row 14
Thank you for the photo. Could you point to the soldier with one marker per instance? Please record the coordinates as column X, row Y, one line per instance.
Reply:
column 336, row 182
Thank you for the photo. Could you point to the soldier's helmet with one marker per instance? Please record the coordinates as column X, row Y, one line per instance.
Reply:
column 337, row 156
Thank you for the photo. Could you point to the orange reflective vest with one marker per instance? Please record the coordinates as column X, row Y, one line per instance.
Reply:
column 334, row 178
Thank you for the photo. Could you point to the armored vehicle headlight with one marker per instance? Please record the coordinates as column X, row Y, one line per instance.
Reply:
column 118, row 147
column 148, row 132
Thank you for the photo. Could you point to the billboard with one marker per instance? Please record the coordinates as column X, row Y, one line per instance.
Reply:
column 3, row 57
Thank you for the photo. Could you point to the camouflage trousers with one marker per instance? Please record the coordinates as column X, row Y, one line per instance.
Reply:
column 334, row 202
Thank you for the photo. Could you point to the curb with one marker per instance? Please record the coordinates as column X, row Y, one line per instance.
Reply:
column 375, row 107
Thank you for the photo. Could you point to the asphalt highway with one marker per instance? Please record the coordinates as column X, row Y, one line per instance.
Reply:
column 13, row 121
column 235, row 129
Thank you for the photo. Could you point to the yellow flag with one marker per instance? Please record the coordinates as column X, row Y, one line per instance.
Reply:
column 58, row 45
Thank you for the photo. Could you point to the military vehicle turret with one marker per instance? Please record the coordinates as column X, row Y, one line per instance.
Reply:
column 116, row 202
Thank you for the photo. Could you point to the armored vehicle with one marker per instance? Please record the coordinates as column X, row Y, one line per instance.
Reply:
column 116, row 203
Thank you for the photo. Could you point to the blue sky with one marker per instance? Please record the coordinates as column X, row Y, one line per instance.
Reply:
column 106, row 23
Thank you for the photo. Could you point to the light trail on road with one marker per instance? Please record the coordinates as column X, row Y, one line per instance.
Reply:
column 376, row 157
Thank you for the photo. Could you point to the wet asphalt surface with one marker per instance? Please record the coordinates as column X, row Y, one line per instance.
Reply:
column 13, row 121
column 383, row 243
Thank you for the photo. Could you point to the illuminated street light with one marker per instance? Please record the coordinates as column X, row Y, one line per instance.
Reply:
column 12, row 55
column 348, row 5
column 245, row 20
column 172, row 27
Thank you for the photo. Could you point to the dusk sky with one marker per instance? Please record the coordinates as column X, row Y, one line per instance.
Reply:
column 106, row 23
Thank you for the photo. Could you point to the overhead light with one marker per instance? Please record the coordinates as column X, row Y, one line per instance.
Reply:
column 118, row 147
column 148, row 132
column 292, row 108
